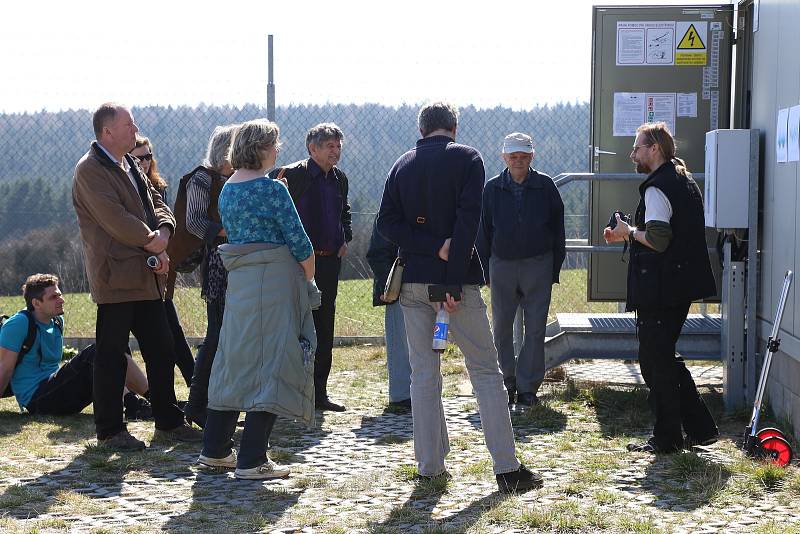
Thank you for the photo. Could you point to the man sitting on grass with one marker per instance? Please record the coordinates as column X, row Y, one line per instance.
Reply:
column 39, row 383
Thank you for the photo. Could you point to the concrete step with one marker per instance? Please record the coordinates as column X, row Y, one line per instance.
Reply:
column 613, row 336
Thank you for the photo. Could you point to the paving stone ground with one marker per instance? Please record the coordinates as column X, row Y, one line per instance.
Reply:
column 347, row 477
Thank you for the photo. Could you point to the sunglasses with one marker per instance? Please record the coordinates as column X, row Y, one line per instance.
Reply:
column 145, row 157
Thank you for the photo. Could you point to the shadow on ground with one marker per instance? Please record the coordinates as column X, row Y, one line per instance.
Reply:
column 391, row 426
column 418, row 510
column 685, row 481
column 248, row 505
column 99, row 473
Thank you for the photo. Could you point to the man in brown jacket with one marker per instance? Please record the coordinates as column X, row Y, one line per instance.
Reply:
column 123, row 221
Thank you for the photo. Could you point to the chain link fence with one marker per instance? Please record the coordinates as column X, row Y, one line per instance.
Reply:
column 38, row 230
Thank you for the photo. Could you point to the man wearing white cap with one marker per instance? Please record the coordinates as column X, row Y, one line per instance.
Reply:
column 521, row 247
column 431, row 211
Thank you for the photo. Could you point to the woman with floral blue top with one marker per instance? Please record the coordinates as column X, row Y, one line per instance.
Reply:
column 263, row 364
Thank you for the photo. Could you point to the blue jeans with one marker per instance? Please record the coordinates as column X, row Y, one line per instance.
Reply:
column 397, row 354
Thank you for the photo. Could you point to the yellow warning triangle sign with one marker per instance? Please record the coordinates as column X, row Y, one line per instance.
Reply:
column 691, row 40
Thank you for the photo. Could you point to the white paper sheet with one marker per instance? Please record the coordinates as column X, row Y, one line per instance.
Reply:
column 687, row 104
column 645, row 43
column 793, row 134
column 781, row 148
column 628, row 113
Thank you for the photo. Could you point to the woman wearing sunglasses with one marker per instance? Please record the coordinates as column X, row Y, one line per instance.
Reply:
column 143, row 151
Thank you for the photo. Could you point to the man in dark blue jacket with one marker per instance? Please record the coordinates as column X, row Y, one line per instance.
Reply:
column 521, row 245
column 431, row 210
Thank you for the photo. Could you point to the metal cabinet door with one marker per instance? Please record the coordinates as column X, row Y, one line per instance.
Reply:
column 649, row 59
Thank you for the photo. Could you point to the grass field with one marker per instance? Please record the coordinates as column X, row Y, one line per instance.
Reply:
column 355, row 315
column 54, row 479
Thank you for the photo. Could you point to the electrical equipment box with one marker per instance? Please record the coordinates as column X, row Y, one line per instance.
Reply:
column 650, row 64
column 729, row 154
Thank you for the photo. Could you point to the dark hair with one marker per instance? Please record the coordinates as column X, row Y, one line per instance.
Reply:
column 437, row 116
column 102, row 116
column 152, row 174
column 34, row 287
column 323, row 132
column 658, row 134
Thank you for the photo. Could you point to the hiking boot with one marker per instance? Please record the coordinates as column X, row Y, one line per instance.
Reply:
column 527, row 399
column 267, row 470
column 183, row 433
column 650, row 446
column 403, row 406
column 229, row 462
column 122, row 441
column 690, row 441
column 519, row 481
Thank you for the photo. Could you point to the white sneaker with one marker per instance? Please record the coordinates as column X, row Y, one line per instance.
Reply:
column 268, row 469
column 229, row 462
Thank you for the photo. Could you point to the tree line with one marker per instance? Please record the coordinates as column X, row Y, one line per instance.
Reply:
column 38, row 231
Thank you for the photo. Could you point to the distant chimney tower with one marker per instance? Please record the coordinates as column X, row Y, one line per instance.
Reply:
column 270, row 83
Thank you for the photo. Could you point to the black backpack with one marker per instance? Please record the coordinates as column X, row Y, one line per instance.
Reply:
column 27, row 343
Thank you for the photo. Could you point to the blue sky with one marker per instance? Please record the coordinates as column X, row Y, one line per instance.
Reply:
column 61, row 55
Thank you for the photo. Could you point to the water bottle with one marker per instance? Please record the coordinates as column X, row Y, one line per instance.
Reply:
column 440, row 330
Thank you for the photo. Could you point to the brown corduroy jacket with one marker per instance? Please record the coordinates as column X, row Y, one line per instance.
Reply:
column 114, row 223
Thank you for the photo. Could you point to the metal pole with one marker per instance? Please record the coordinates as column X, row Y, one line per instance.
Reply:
column 270, row 83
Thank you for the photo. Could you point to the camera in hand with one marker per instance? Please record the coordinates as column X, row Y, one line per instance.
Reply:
column 612, row 221
column 153, row 262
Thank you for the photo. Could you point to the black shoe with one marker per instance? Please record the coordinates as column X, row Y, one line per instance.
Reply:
column 122, row 442
column 182, row 433
column 193, row 415
column 327, row 404
column 650, row 446
column 511, row 387
column 527, row 399
column 137, row 408
column 519, row 481
column 400, row 406
column 689, row 442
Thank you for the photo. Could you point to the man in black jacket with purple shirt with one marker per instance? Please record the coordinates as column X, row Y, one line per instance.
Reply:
column 319, row 191
column 430, row 209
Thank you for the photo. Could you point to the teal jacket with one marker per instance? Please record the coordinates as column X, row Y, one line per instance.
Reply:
column 260, row 363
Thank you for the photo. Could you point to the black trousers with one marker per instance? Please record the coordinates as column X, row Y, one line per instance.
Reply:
column 183, row 353
column 673, row 397
column 147, row 320
column 198, row 392
column 68, row 390
column 327, row 270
